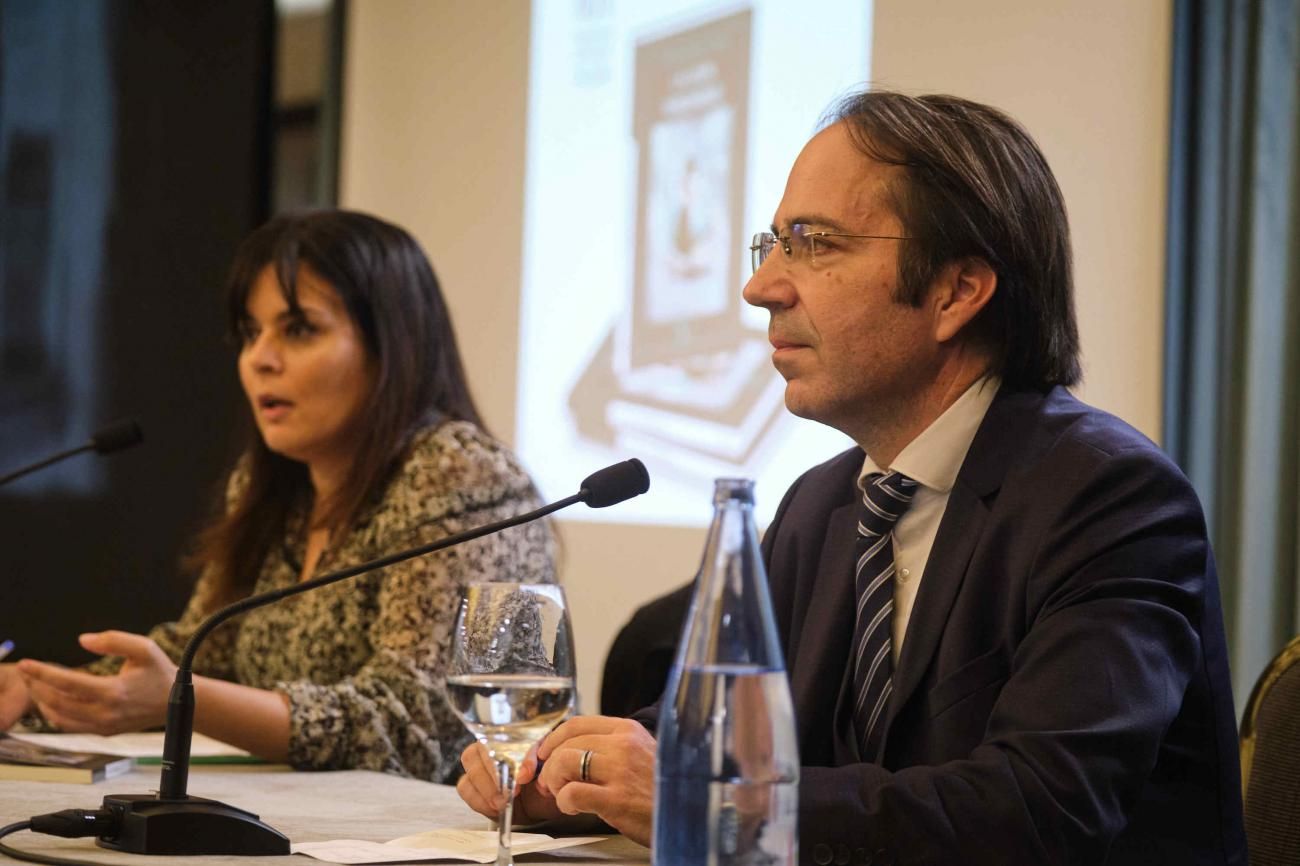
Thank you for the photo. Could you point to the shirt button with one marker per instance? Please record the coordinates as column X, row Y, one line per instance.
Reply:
column 822, row 854
column 905, row 573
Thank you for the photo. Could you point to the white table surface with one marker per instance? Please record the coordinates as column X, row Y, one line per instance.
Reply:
column 306, row 807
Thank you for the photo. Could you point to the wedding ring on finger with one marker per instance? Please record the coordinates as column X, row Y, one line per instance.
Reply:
column 584, row 772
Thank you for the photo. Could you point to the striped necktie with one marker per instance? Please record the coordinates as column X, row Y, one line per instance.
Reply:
column 884, row 500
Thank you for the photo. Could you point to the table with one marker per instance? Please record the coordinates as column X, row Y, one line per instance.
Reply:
column 305, row 806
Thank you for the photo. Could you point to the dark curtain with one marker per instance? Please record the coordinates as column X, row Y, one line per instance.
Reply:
column 133, row 158
column 1233, row 306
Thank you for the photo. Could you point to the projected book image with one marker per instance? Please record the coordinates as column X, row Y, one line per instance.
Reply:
column 717, row 407
column 660, row 137
column 680, row 373
column 690, row 120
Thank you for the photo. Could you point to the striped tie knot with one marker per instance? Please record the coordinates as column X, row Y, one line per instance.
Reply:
column 885, row 498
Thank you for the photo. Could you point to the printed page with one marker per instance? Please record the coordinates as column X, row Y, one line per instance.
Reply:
column 473, row 846
column 138, row 745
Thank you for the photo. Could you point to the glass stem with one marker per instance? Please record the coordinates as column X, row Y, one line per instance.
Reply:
column 506, row 776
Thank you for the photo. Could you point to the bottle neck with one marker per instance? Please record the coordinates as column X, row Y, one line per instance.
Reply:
column 731, row 619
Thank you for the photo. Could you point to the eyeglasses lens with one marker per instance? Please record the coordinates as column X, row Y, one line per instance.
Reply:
column 760, row 248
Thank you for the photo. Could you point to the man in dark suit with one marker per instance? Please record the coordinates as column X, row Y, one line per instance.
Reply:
column 1000, row 612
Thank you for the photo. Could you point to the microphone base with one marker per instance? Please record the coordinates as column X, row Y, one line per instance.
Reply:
column 193, row 825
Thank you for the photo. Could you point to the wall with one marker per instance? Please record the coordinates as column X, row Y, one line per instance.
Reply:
column 433, row 138
column 1090, row 80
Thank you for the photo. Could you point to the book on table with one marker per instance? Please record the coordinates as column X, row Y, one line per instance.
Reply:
column 145, row 746
column 33, row 762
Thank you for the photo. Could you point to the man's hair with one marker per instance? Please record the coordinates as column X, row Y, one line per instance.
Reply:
column 975, row 185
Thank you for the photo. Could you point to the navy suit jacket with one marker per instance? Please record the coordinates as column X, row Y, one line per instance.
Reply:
column 1062, row 695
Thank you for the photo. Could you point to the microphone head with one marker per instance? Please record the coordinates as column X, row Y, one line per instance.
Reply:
column 116, row 436
column 613, row 484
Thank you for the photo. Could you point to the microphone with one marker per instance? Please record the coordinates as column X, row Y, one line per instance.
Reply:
column 175, row 823
column 614, row 484
column 114, row 437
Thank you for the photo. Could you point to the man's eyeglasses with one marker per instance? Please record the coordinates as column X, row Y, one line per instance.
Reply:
column 801, row 243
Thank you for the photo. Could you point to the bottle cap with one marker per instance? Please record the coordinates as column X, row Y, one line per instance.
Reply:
column 732, row 489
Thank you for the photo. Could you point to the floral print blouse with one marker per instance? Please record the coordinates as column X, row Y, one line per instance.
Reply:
column 362, row 661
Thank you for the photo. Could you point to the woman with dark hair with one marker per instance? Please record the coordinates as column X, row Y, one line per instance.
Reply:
column 366, row 442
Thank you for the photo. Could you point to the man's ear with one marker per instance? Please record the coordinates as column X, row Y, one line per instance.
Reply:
column 963, row 289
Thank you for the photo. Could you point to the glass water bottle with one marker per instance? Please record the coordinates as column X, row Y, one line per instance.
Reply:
column 728, row 765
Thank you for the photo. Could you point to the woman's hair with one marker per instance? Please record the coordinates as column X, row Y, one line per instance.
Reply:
column 392, row 296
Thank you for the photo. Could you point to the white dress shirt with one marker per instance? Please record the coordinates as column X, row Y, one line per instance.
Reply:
column 932, row 460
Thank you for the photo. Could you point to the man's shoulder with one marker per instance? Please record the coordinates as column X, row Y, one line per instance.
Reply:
column 1067, row 427
column 1056, row 444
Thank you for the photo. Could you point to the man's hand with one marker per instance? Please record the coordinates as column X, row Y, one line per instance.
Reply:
column 134, row 699
column 14, row 700
column 619, row 788
column 479, row 788
column 620, row 783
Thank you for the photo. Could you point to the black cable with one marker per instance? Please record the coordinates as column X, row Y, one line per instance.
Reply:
column 68, row 823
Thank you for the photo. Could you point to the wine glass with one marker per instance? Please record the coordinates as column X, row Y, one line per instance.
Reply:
column 511, row 676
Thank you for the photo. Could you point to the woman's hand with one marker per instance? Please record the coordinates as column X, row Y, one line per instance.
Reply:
column 133, row 699
column 14, row 700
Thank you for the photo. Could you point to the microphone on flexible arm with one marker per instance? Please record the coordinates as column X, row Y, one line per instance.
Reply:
column 173, row 822
column 106, row 440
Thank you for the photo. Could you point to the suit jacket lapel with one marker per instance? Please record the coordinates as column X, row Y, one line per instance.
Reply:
column 962, row 523
column 987, row 462
column 826, row 644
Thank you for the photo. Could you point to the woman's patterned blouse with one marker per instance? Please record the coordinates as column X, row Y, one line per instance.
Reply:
column 362, row 661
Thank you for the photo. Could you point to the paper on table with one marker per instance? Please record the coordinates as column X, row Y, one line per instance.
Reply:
column 475, row 846
column 138, row 745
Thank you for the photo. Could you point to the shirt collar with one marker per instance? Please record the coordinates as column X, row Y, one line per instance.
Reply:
column 934, row 457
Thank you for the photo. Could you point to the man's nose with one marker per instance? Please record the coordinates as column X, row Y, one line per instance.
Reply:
column 770, row 286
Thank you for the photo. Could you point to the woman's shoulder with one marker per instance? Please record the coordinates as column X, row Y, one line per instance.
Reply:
column 455, row 466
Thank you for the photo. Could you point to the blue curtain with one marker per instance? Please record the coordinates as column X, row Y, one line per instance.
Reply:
column 1232, row 364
